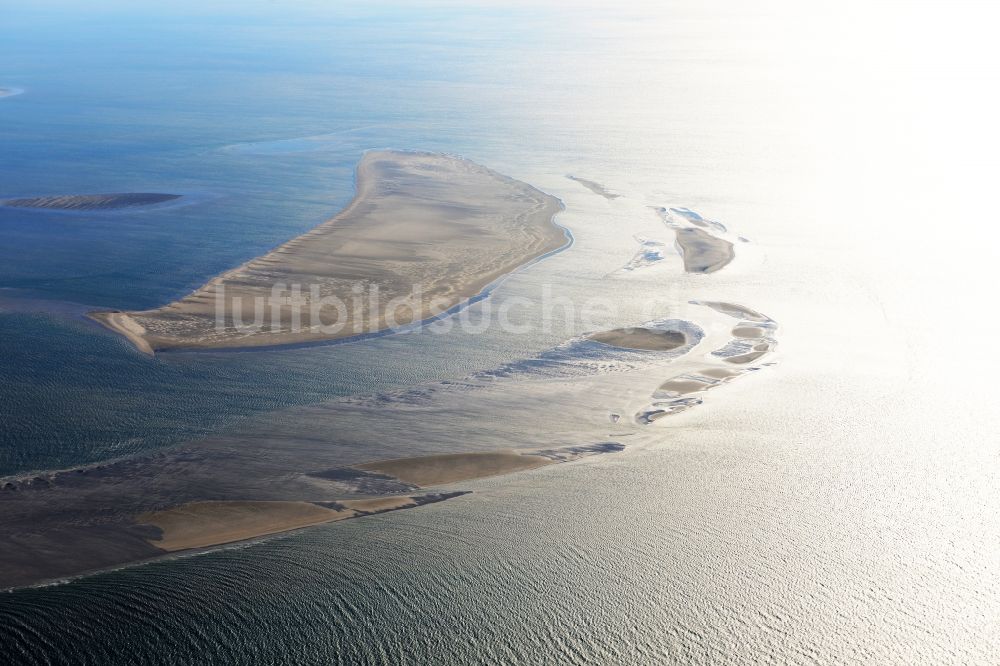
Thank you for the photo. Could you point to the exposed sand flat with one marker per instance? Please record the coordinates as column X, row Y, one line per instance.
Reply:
column 749, row 332
column 685, row 385
column 379, row 504
column 85, row 202
column 442, row 225
column 202, row 524
column 720, row 373
column 454, row 467
column 647, row 339
column 129, row 328
column 703, row 252
column 596, row 188
column 737, row 311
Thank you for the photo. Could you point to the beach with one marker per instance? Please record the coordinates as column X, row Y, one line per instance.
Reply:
column 424, row 234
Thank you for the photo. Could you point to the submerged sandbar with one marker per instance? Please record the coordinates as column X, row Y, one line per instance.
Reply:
column 88, row 202
column 425, row 232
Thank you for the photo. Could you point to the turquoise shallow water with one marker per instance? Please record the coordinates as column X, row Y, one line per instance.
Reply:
column 839, row 507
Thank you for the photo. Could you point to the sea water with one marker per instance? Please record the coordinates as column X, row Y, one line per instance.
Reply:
column 839, row 506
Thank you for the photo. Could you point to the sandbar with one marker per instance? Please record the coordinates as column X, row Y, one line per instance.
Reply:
column 91, row 202
column 685, row 385
column 213, row 523
column 737, row 311
column 645, row 339
column 703, row 252
column 596, row 188
column 202, row 524
column 450, row 468
column 425, row 233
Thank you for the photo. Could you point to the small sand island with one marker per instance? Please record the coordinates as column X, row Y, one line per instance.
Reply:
column 205, row 524
column 91, row 202
column 703, row 252
column 645, row 339
column 426, row 232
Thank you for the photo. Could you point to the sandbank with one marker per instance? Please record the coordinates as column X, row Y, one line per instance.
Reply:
column 737, row 311
column 203, row 524
column 436, row 229
column 646, row 339
column 596, row 188
column 703, row 252
column 450, row 468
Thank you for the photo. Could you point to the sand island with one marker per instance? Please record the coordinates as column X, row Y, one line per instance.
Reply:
column 425, row 233
column 638, row 337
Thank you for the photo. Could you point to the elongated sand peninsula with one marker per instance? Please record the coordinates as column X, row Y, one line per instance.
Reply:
column 424, row 234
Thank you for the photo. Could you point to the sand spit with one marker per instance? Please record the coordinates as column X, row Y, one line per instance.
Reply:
column 91, row 202
column 646, row 339
column 596, row 188
column 434, row 229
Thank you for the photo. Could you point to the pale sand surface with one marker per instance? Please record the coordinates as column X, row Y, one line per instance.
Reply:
column 703, row 252
column 720, row 373
column 743, row 359
column 84, row 202
column 453, row 467
column 596, row 188
column 202, row 524
column 685, row 385
column 440, row 224
column 737, row 311
column 378, row 504
column 748, row 332
column 648, row 339
column 128, row 327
